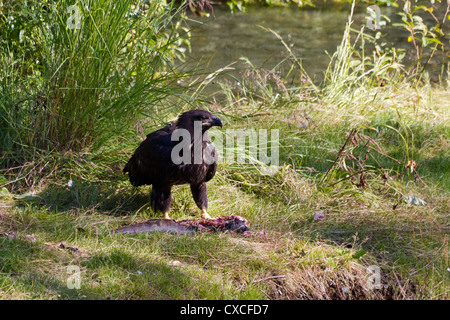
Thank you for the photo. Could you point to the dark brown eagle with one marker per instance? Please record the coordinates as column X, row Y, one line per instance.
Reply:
column 180, row 153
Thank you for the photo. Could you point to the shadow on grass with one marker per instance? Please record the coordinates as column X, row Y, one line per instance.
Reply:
column 121, row 275
column 25, row 267
column 106, row 198
column 41, row 272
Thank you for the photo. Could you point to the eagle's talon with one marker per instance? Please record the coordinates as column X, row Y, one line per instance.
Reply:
column 205, row 214
column 167, row 217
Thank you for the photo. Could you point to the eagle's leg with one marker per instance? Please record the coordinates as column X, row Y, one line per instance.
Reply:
column 201, row 198
column 161, row 199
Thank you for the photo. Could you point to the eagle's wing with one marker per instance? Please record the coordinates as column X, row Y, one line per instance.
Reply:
column 151, row 161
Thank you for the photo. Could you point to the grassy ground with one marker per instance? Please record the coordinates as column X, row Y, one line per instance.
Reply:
column 289, row 255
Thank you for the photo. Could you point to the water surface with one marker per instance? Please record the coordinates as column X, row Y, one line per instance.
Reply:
column 311, row 33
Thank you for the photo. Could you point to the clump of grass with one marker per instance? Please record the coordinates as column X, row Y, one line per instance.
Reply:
column 88, row 81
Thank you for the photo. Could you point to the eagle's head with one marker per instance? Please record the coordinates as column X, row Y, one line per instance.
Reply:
column 207, row 119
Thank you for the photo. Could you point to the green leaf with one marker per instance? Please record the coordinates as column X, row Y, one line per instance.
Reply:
column 358, row 254
column 5, row 193
column 420, row 8
column 28, row 196
column 435, row 41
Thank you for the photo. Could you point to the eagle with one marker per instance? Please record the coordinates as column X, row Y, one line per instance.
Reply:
column 180, row 153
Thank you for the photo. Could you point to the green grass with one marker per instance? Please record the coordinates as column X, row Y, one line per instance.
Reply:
column 125, row 51
column 288, row 256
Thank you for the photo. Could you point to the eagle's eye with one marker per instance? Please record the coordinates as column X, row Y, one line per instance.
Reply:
column 203, row 117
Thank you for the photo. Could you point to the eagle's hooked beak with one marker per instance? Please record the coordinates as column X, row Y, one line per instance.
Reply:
column 216, row 122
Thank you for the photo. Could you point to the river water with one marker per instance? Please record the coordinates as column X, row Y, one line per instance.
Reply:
column 223, row 38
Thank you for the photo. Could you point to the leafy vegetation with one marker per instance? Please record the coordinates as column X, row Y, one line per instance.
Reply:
column 125, row 53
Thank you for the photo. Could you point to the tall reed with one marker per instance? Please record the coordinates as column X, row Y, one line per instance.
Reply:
column 74, row 76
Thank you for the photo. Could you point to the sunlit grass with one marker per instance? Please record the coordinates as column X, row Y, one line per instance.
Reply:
column 290, row 255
